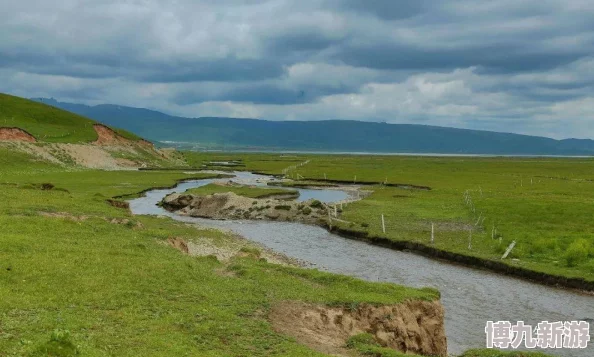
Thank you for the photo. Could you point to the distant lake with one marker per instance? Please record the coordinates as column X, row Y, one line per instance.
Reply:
column 195, row 147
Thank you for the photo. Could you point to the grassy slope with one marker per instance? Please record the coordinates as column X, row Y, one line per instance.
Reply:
column 117, row 290
column 47, row 123
column 543, row 204
column 251, row 192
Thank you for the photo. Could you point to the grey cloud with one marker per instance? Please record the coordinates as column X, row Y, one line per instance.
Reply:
column 386, row 10
column 264, row 93
column 284, row 59
column 225, row 70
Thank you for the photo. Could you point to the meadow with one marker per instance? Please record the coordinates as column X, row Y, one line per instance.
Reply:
column 478, row 206
column 81, row 277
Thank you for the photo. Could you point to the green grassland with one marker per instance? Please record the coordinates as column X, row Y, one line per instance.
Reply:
column 246, row 191
column 367, row 346
column 544, row 204
column 269, row 163
column 73, row 281
column 47, row 123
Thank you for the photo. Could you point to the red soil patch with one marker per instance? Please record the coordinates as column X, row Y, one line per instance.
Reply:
column 106, row 136
column 16, row 134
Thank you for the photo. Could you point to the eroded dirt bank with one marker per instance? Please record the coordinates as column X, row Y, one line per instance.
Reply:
column 410, row 327
column 232, row 206
column 110, row 151
column 16, row 134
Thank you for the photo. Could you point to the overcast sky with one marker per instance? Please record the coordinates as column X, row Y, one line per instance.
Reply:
column 524, row 66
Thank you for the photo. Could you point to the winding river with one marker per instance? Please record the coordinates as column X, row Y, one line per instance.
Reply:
column 470, row 296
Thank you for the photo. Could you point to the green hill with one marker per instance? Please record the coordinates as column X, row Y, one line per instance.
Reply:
column 47, row 123
column 323, row 135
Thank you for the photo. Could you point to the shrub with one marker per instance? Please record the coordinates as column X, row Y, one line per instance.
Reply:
column 283, row 207
column 59, row 345
column 315, row 204
column 306, row 211
column 577, row 252
column 364, row 338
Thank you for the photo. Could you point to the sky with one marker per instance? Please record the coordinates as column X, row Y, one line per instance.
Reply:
column 508, row 65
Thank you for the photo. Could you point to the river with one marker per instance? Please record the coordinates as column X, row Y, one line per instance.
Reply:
column 471, row 297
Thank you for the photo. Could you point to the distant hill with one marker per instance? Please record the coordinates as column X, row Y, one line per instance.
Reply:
column 325, row 135
column 47, row 123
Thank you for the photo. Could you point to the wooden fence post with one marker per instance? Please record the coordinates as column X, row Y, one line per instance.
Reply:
column 509, row 249
column 383, row 224
column 432, row 233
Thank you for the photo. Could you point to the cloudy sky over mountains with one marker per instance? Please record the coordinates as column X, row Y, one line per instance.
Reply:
column 520, row 66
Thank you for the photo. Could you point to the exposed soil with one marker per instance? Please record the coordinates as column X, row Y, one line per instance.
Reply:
column 146, row 144
column 16, row 134
column 410, row 327
column 106, row 136
column 94, row 157
column 119, row 204
column 232, row 206
column 179, row 244
column 203, row 247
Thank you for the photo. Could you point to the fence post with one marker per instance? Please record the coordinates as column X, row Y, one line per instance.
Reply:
column 509, row 249
column 335, row 211
column 383, row 224
column 470, row 240
column 432, row 233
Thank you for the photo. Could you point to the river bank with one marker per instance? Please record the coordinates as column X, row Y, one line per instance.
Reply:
column 232, row 206
column 470, row 297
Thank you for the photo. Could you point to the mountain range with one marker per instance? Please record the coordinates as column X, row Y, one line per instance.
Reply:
column 324, row 135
